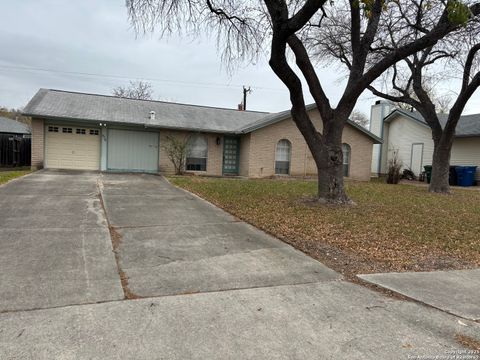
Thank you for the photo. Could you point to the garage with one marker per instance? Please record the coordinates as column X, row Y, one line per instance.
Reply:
column 130, row 150
column 72, row 147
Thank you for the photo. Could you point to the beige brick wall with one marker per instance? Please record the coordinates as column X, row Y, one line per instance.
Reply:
column 263, row 143
column 244, row 155
column 214, row 157
column 38, row 138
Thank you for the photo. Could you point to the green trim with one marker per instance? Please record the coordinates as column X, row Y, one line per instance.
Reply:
column 237, row 160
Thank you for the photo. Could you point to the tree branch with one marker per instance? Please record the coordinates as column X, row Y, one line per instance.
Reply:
column 308, row 71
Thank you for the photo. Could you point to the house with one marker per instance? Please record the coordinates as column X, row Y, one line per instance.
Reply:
column 13, row 127
column 407, row 135
column 97, row 132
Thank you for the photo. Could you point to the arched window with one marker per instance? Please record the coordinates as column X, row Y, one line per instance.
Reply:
column 282, row 157
column 346, row 150
column 197, row 150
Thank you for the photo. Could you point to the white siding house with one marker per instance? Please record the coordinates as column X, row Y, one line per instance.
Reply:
column 406, row 134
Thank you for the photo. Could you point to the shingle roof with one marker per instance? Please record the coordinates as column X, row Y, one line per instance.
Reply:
column 50, row 103
column 59, row 104
column 10, row 126
column 468, row 125
column 274, row 118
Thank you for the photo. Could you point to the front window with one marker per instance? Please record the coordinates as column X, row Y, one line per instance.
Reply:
column 282, row 157
column 197, row 150
column 346, row 150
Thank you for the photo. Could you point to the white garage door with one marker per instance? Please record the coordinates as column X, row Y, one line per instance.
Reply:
column 130, row 150
column 72, row 147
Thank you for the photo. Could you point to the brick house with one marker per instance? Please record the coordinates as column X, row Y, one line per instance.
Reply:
column 96, row 132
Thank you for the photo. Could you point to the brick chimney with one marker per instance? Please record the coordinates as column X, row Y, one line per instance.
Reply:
column 240, row 107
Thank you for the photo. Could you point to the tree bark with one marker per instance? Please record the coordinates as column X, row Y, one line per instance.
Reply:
column 442, row 148
column 330, row 176
column 329, row 161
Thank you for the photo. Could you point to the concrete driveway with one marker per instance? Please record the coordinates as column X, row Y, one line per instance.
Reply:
column 172, row 242
column 209, row 286
column 55, row 248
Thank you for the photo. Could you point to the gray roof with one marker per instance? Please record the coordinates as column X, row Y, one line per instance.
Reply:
column 10, row 126
column 59, row 104
column 468, row 125
column 49, row 103
column 277, row 117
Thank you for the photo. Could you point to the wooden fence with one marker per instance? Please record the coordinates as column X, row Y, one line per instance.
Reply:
column 15, row 150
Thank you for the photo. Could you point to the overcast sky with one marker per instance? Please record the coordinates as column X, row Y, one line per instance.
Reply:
column 42, row 43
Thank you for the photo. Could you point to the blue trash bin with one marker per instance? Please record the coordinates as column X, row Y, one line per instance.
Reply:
column 466, row 175
column 470, row 172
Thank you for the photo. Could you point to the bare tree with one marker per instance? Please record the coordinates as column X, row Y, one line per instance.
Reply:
column 359, row 118
column 176, row 150
column 411, row 84
column 15, row 114
column 245, row 28
column 141, row 90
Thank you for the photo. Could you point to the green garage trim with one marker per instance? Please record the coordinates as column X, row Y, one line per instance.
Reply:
column 130, row 150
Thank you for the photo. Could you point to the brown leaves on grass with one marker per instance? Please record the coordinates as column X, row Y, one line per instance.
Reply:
column 392, row 228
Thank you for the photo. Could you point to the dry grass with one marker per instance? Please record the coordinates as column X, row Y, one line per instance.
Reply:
column 6, row 176
column 392, row 227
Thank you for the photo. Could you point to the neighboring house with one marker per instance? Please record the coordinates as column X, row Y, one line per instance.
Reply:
column 15, row 143
column 406, row 134
column 13, row 127
column 97, row 132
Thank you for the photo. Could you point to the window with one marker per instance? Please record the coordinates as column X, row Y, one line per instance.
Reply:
column 197, row 153
column 282, row 157
column 67, row 130
column 346, row 150
column 53, row 128
column 80, row 131
column 93, row 132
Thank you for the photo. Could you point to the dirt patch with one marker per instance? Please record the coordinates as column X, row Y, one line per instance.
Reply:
column 116, row 239
column 115, row 236
column 469, row 343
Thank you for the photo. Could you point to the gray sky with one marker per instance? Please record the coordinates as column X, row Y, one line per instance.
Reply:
column 94, row 37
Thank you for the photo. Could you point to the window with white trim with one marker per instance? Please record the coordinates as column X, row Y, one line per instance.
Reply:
column 80, row 131
column 53, row 128
column 197, row 150
column 93, row 132
column 67, row 130
column 346, row 150
column 282, row 157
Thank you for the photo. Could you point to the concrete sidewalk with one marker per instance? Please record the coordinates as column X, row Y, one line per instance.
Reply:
column 456, row 292
column 328, row 320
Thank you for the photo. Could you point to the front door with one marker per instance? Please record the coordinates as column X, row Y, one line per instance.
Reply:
column 231, row 153
column 416, row 159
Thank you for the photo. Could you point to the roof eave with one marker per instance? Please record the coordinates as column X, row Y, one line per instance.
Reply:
column 288, row 115
column 145, row 125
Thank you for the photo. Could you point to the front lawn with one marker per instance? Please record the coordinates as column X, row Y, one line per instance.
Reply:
column 8, row 175
column 392, row 227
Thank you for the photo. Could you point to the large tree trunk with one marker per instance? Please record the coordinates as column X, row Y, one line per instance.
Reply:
column 441, row 166
column 329, row 162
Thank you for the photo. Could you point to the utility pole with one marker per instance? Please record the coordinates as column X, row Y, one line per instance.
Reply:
column 246, row 91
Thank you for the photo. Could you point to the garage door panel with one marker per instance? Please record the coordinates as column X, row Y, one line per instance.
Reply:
column 132, row 150
column 72, row 150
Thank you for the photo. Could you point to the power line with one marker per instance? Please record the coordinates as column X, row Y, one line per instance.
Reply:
column 111, row 76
